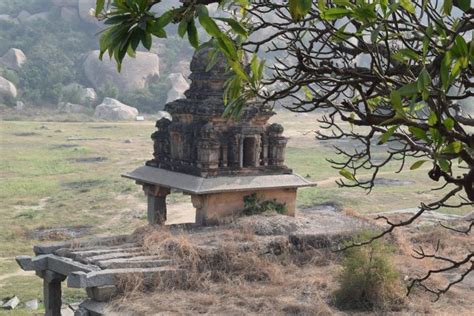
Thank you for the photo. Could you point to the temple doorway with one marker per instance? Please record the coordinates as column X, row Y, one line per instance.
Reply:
column 249, row 148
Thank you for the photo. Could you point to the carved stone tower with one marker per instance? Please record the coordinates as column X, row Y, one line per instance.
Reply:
column 201, row 142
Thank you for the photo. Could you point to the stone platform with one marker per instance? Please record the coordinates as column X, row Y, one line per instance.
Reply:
column 100, row 265
column 214, row 197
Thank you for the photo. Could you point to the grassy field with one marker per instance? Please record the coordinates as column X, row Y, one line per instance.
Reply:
column 67, row 175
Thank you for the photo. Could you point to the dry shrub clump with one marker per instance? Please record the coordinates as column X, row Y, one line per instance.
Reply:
column 225, row 262
column 368, row 280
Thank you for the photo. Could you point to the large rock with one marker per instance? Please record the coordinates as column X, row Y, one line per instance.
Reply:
column 64, row 3
column 89, row 96
column 23, row 15
column 7, row 89
column 14, row 58
column 69, row 14
column 85, row 96
column 8, row 19
column 178, row 85
column 113, row 110
column 134, row 75
column 42, row 16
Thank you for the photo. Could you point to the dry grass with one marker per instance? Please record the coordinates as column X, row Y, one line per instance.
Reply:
column 227, row 278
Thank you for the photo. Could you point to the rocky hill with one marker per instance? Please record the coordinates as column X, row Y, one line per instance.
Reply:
column 49, row 57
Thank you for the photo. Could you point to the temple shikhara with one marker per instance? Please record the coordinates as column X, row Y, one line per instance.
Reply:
column 217, row 160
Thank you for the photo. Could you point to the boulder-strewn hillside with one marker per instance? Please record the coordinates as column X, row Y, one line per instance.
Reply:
column 49, row 56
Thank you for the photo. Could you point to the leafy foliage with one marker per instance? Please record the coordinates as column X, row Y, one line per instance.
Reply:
column 254, row 204
column 368, row 280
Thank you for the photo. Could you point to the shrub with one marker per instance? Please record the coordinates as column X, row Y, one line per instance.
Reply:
column 10, row 75
column 368, row 280
column 72, row 94
column 254, row 204
column 150, row 99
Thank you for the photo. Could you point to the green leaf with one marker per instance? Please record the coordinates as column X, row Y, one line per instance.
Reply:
column 461, row 46
column 193, row 34
column 147, row 41
column 209, row 25
column 235, row 26
column 417, row 164
column 408, row 90
column 424, row 80
column 432, row 119
column 335, row 13
column 164, row 19
column 237, row 68
column 117, row 19
column 418, row 133
column 408, row 6
column 386, row 136
column 454, row 147
column 406, row 54
column 182, row 27
column 396, row 101
column 307, row 93
column 212, row 59
column 347, row 174
column 254, row 65
column 227, row 47
column 299, row 8
column 448, row 123
column 464, row 5
column 444, row 71
column 374, row 35
column 444, row 165
column 447, row 7
column 436, row 136
column 99, row 6
column 161, row 33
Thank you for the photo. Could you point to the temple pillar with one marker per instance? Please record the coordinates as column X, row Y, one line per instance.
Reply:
column 264, row 152
column 257, row 151
column 52, row 292
column 156, row 195
column 198, row 203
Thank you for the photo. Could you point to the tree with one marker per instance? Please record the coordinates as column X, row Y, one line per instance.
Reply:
column 395, row 70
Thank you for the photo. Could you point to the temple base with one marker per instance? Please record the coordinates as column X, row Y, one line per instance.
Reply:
column 212, row 207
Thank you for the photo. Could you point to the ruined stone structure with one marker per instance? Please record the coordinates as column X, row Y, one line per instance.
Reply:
column 199, row 141
column 217, row 160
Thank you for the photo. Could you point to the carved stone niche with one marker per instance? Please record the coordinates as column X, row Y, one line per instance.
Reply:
column 276, row 145
column 208, row 148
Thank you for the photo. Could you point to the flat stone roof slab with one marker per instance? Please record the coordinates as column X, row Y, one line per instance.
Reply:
column 199, row 185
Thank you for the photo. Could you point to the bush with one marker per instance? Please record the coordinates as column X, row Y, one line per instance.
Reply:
column 254, row 204
column 72, row 94
column 368, row 280
column 151, row 99
column 10, row 75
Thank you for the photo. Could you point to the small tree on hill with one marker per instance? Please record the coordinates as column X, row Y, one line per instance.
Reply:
column 396, row 70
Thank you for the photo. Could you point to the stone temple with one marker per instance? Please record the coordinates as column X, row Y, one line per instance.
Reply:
column 216, row 160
